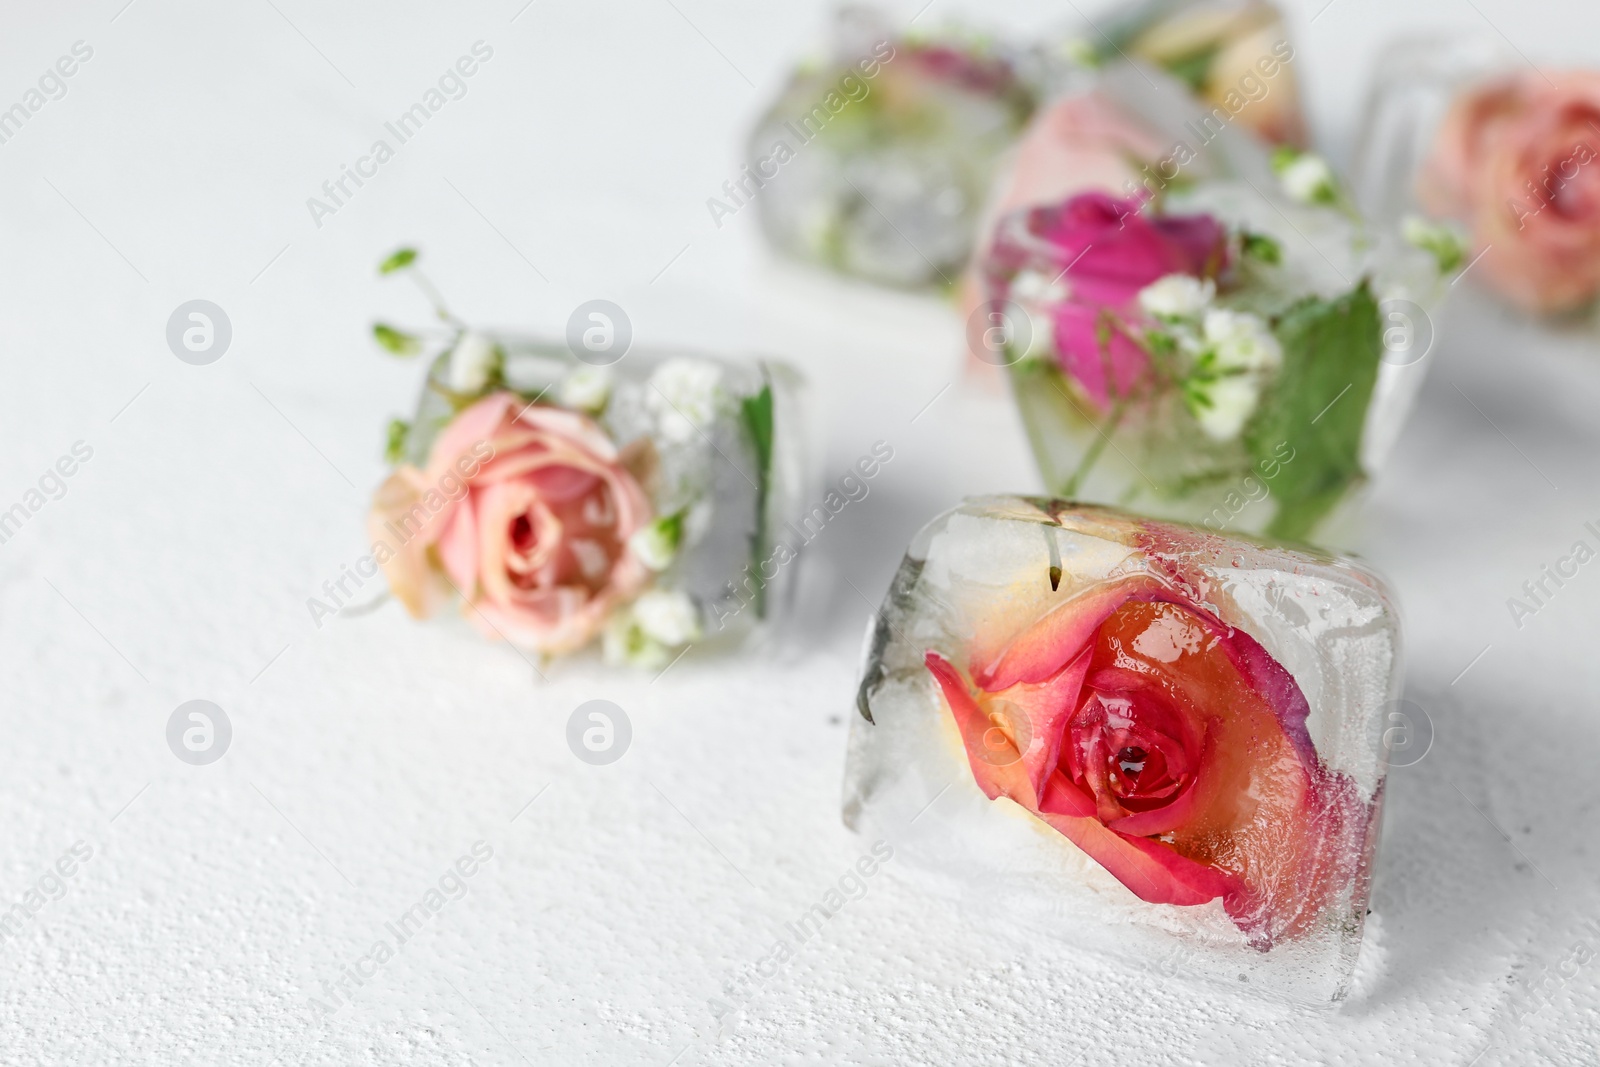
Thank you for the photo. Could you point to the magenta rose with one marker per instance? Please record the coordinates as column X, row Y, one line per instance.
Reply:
column 1106, row 249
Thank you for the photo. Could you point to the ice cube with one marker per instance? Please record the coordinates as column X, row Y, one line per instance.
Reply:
column 1138, row 737
column 715, row 446
column 1218, row 337
column 878, row 161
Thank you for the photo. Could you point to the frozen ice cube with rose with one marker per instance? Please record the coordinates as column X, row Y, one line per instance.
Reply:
column 564, row 495
column 877, row 160
column 1134, row 736
column 1216, row 336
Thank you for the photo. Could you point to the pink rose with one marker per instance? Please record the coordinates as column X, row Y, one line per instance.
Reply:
column 1168, row 746
column 1078, row 143
column 1515, row 159
column 526, row 510
column 1106, row 250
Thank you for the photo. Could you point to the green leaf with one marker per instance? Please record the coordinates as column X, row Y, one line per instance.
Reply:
column 396, row 341
column 1161, row 343
column 1317, row 407
column 1260, row 246
column 399, row 259
column 757, row 414
column 395, row 447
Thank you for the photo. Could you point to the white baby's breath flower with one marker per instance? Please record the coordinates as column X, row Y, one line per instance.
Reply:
column 1238, row 349
column 1308, row 179
column 1242, row 341
column 1177, row 296
column 586, row 389
column 1230, row 401
column 685, row 395
column 1035, row 287
column 624, row 642
column 668, row 616
column 472, row 361
column 656, row 543
column 1443, row 241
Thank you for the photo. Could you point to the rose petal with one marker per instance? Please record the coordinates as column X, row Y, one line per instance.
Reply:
column 1046, row 706
column 1150, row 869
column 472, row 428
column 401, row 522
column 1263, row 807
column 569, row 426
column 458, row 549
column 1085, row 350
column 999, row 771
column 1063, row 634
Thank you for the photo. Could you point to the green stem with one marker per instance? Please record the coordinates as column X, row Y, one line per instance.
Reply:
column 1090, row 456
column 431, row 293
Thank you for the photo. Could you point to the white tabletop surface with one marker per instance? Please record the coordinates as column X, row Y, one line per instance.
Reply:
column 370, row 753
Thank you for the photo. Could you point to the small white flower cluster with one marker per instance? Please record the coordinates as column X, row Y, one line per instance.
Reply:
column 586, row 389
column 656, row 544
column 1177, row 296
column 685, row 397
column 645, row 633
column 1306, row 177
column 1442, row 240
column 1227, row 354
column 473, row 362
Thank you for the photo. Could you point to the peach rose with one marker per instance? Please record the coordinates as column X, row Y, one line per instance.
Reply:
column 1169, row 747
column 1515, row 160
column 526, row 510
column 1235, row 57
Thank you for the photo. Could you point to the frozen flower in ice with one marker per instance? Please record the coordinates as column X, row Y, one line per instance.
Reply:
column 668, row 616
column 685, row 395
column 1108, row 250
column 656, row 545
column 1134, row 718
column 586, row 389
column 1306, row 177
column 1513, row 161
column 1242, row 341
column 1177, row 296
column 472, row 363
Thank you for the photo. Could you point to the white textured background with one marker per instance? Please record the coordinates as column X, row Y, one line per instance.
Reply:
column 369, row 754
